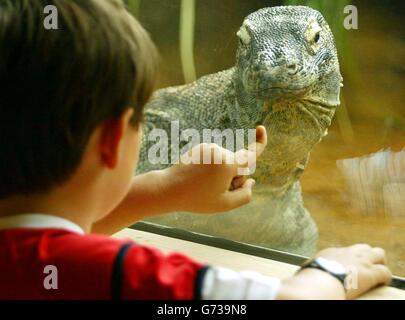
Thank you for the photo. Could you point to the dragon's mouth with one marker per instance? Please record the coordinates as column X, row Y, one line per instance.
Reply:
column 284, row 89
column 288, row 89
column 277, row 93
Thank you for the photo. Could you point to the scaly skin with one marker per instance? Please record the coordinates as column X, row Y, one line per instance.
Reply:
column 286, row 78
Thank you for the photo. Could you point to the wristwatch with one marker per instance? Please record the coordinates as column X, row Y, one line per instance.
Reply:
column 332, row 267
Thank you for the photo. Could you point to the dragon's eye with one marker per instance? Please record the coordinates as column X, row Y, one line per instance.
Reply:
column 244, row 36
column 317, row 37
column 313, row 35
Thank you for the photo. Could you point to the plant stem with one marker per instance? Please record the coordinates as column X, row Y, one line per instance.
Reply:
column 187, row 24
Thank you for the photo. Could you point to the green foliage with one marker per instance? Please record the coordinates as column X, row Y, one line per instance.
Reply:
column 134, row 6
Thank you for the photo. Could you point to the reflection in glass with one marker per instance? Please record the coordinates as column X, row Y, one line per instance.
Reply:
column 376, row 183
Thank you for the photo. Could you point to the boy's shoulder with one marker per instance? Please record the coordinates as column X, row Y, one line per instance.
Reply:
column 55, row 238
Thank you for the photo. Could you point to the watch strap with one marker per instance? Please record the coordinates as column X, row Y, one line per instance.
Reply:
column 316, row 265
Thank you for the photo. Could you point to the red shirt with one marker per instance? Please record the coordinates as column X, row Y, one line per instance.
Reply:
column 90, row 267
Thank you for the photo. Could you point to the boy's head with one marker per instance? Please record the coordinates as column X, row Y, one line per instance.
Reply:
column 59, row 87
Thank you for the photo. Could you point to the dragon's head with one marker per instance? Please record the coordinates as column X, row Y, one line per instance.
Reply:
column 287, row 51
column 287, row 62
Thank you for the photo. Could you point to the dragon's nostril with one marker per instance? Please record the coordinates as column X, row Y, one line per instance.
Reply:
column 292, row 68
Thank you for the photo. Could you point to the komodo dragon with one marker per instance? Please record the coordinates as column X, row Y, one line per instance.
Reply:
column 287, row 78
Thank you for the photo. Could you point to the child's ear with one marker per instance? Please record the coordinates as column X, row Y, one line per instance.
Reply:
column 112, row 132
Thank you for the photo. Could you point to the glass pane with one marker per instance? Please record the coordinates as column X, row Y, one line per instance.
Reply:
column 353, row 187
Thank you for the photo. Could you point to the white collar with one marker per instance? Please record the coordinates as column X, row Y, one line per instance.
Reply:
column 40, row 221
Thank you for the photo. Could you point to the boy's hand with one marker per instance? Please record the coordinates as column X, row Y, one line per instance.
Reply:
column 365, row 262
column 364, row 265
column 188, row 187
column 213, row 187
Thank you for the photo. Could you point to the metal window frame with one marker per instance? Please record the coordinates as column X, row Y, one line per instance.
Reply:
column 236, row 246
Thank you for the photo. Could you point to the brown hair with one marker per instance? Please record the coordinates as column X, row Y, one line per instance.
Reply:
column 57, row 86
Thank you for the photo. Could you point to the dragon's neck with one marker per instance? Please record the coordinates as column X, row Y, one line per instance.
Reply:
column 277, row 168
column 244, row 109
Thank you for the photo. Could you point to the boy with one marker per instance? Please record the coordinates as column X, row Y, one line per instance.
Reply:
column 71, row 104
